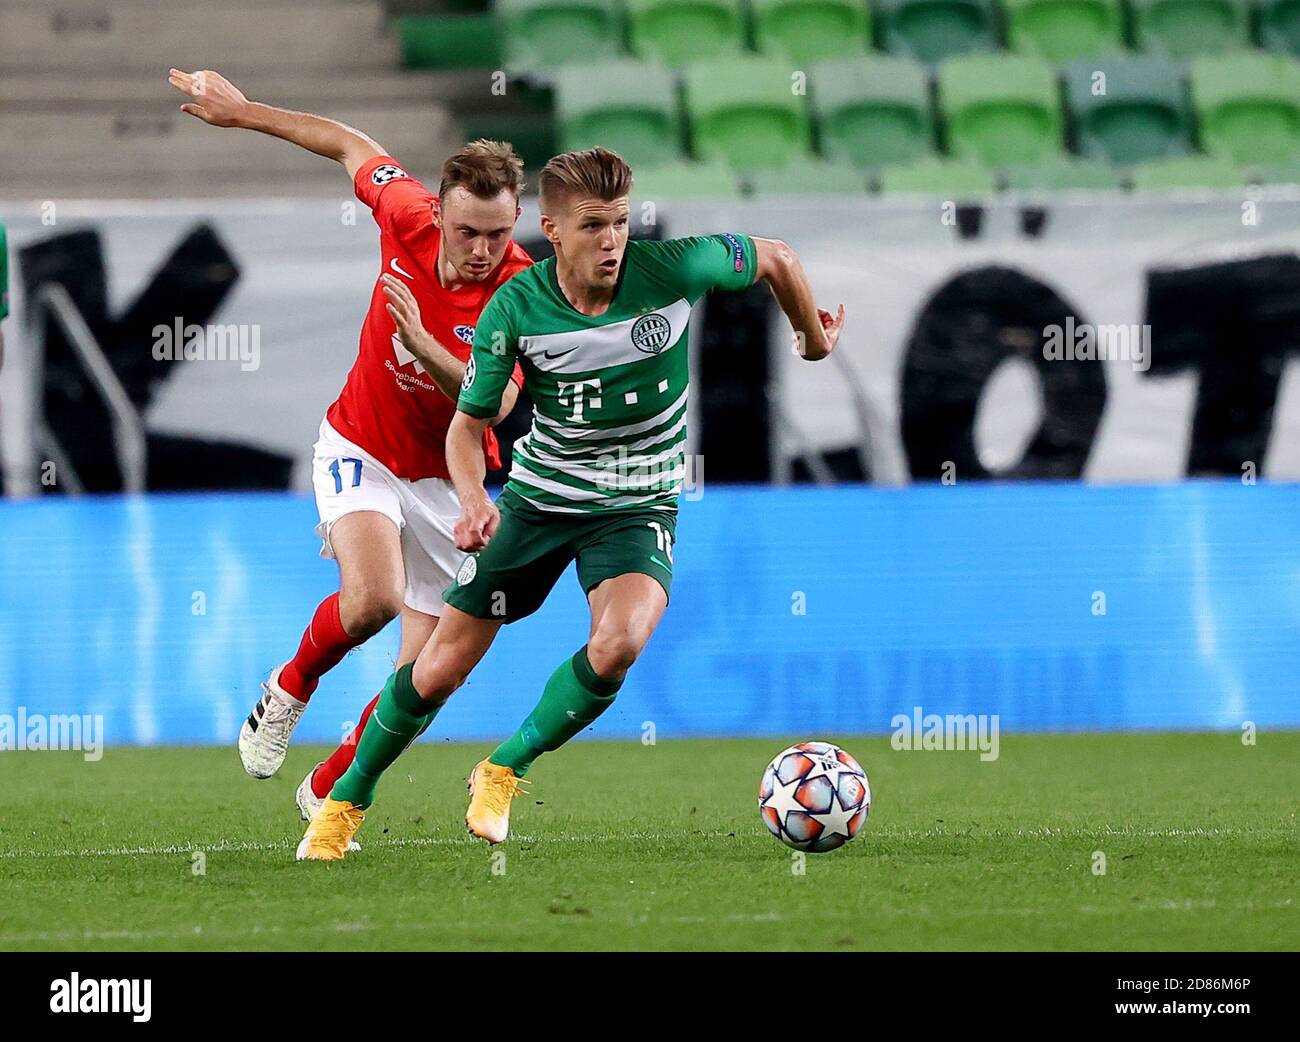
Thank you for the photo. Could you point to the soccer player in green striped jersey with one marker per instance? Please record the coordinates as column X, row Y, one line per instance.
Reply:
column 601, row 334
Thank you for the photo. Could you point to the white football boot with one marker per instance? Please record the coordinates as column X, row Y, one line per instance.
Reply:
column 309, row 803
column 264, row 736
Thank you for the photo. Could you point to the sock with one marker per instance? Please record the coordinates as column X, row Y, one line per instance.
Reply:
column 399, row 717
column 341, row 759
column 324, row 777
column 324, row 643
column 572, row 699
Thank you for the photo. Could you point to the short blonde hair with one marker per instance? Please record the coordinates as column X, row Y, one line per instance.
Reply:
column 485, row 169
column 595, row 173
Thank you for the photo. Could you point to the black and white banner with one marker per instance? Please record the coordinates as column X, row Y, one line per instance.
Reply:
column 1109, row 338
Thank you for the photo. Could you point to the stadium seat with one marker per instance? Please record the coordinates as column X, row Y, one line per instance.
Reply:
column 449, row 42
column 1187, row 172
column 1059, row 30
column 1002, row 110
column 1276, row 174
column 872, row 111
column 1248, row 106
column 1142, row 114
column 680, row 31
column 542, row 33
column 634, row 113
column 932, row 30
column 1183, row 28
column 743, row 112
column 1279, row 25
column 952, row 179
column 810, row 177
column 810, row 30
column 686, row 181
column 1092, row 174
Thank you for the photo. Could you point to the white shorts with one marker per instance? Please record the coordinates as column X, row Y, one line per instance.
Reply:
column 348, row 479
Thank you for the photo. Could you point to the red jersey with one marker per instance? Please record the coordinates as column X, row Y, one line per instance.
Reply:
column 390, row 406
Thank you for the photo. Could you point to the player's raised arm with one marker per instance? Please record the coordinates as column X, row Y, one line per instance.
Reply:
column 220, row 103
column 816, row 330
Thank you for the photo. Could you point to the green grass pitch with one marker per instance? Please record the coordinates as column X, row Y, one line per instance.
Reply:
column 625, row 846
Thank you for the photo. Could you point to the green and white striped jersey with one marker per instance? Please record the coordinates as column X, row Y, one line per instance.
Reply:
column 609, row 391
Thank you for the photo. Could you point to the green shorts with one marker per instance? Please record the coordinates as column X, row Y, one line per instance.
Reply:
column 511, row 577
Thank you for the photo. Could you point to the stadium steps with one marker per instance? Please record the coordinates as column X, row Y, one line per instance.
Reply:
column 143, row 36
column 310, row 89
column 100, row 76
column 142, row 152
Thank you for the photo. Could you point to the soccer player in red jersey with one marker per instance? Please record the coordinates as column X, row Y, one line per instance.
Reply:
column 387, row 505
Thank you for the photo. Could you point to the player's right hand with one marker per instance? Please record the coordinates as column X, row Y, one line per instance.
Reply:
column 477, row 524
column 216, row 100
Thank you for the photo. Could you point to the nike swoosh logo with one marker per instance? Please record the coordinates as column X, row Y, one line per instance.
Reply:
column 398, row 268
column 659, row 562
column 558, row 354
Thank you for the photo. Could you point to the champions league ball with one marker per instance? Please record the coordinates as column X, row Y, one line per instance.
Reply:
column 814, row 797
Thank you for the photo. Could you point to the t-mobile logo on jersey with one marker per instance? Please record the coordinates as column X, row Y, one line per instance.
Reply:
column 575, row 394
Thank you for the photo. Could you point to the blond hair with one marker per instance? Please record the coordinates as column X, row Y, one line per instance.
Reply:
column 595, row 172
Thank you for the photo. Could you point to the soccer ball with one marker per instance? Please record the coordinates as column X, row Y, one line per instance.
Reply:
column 814, row 797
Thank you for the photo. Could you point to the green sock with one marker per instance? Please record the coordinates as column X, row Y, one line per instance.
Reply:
column 573, row 698
column 400, row 716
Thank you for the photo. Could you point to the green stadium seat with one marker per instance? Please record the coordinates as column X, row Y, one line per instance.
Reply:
column 1248, row 106
column 949, row 178
column 1143, row 114
column 1279, row 25
column 1000, row 109
column 932, row 30
column 873, row 111
column 1183, row 28
column 449, row 42
column 1276, row 174
column 1060, row 30
column 810, row 177
column 744, row 112
column 1067, row 174
column 1187, row 172
column 542, row 33
column 677, row 32
column 634, row 112
column 686, row 181
column 810, row 30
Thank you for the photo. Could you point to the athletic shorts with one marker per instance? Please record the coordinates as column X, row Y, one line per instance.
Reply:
column 511, row 577
column 347, row 479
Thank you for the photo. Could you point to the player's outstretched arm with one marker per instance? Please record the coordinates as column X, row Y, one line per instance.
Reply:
column 478, row 514
column 220, row 103
column 816, row 331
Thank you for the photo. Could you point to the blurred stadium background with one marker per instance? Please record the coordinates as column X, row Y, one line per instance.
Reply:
column 941, row 515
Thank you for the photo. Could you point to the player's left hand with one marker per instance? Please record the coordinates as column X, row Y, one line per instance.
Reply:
column 831, row 326
column 404, row 310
